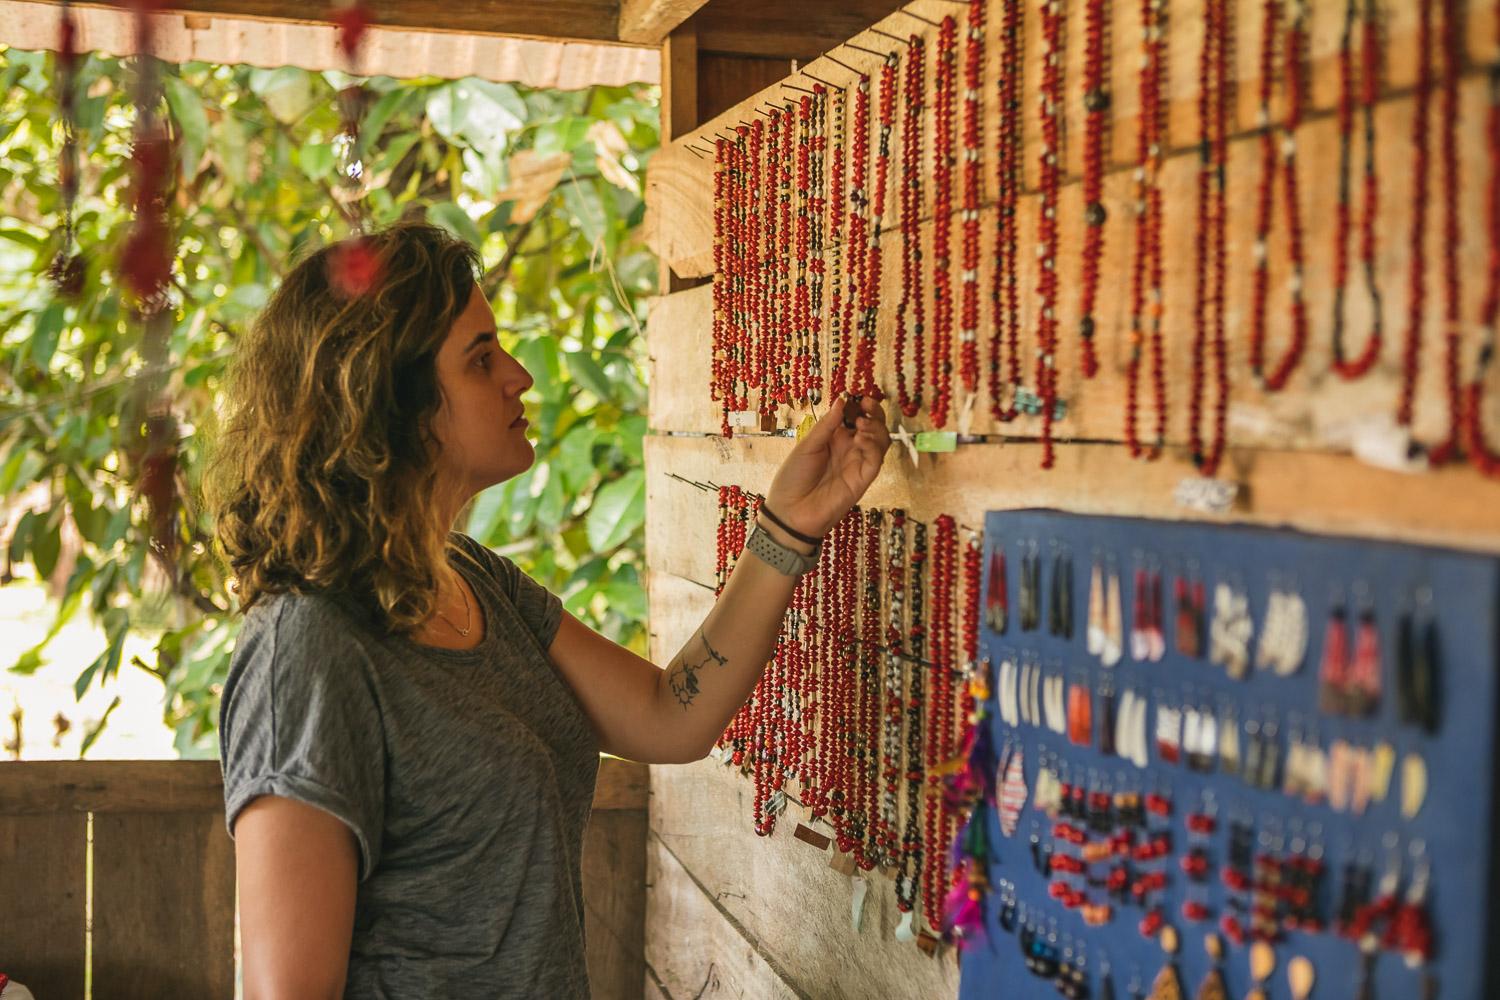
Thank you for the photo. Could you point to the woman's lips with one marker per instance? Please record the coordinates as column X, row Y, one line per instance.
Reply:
column 519, row 421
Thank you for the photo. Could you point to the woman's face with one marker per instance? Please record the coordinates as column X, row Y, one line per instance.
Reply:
column 481, row 384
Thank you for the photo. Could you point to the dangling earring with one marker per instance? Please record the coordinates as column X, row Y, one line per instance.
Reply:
column 996, row 602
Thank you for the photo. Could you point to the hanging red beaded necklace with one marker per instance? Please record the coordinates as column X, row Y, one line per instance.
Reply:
column 1005, row 284
column 968, row 321
column 867, row 848
column 1369, row 90
column 1482, row 454
column 859, row 204
column 1294, row 56
column 1096, row 104
column 801, row 306
column 818, row 198
column 1208, row 305
column 941, row 378
column 1450, row 40
column 756, row 334
column 1051, row 173
column 1146, row 305
column 912, row 853
column 781, row 355
column 939, row 720
column 836, row 384
column 1417, row 289
column 890, row 745
column 845, row 805
column 911, row 304
column 864, row 362
column 719, row 362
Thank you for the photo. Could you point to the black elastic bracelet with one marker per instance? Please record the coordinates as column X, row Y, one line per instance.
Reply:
column 809, row 539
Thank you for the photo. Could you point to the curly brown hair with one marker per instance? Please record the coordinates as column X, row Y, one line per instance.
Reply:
column 324, row 464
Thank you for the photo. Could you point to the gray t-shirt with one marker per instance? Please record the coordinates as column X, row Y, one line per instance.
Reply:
column 466, row 776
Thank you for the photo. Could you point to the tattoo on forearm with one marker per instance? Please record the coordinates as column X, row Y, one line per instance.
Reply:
column 683, row 677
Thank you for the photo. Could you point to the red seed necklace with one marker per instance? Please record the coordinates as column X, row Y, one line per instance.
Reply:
column 1294, row 56
column 1051, row 173
column 1146, row 303
column 836, row 175
column 912, row 853
column 1096, row 104
column 939, row 720
column 801, row 305
column 1484, row 455
column 890, row 755
column 1005, row 283
column 864, row 362
column 819, row 211
column 912, row 309
column 968, row 322
column 1417, row 289
column 941, row 378
column 859, row 204
column 1369, row 90
column 1450, row 39
column 1208, row 305
column 781, row 356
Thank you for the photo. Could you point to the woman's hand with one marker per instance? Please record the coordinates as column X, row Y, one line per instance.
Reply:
column 831, row 467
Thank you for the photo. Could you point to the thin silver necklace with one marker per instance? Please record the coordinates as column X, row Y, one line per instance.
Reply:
column 468, row 615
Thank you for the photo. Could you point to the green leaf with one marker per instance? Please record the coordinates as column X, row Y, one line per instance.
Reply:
column 187, row 112
column 46, row 544
column 93, row 732
column 618, row 509
column 456, row 221
column 107, row 661
column 316, row 160
column 588, row 374
column 49, row 327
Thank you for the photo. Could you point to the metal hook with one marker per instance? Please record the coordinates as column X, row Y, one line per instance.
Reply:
column 918, row 17
column 861, row 48
column 887, row 34
column 831, row 86
column 857, row 72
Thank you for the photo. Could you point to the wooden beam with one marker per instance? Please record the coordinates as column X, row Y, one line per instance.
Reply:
column 649, row 22
column 401, row 53
column 550, row 20
column 787, row 29
column 1317, row 492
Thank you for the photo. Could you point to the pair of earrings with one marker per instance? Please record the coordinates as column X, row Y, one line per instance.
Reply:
column 1283, row 637
column 1105, row 636
column 1229, row 634
column 1349, row 676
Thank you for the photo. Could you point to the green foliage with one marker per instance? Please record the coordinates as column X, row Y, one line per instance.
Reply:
column 257, row 167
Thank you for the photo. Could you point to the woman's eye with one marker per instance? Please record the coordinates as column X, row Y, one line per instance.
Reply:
column 483, row 361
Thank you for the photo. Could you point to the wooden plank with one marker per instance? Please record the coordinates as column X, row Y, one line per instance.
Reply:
column 1317, row 492
column 587, row 20
column 42, row 860
column 693, row 947
column 106, row 786
column 680, row 184
column 784, row 899
column 726, row 80
column 1316, row 410
column 614, row 901
column 787, row 29
column 402, row 53
column 622, row 785
column 163, row 906
column 649, row 22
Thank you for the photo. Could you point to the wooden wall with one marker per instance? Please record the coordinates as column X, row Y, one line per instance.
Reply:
column 731, row 914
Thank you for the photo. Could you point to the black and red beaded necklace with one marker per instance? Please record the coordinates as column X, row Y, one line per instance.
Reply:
column 858, row 239
column 1096, row 103
column 1146, row 266
column 968, row 321
column 890, row 753
column 719, row 354
column 1416, row 295
column 801, row 306
column 911, row 310
column 912, row 853
column 864, row 361
column 1369, row 90
column 1005, row 283
column 939, row 720
column 1294, row 60
column 781, row 354
column 941, row 379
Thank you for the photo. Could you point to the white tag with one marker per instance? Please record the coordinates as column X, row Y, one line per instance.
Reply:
column 1381, row 442
column 717, row 753
column 966, row 415
column 904, row 930
column 744, row 418
column 905, row 437
column 1210, row 496
column 857, row 902
column 777, row 803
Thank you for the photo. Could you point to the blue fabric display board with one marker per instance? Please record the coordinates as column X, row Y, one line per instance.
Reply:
column 1262, row 756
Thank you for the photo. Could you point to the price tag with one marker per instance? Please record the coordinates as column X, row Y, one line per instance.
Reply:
column 805, row 425
column 857, row 902
column 744, row 418
column 937, row 441
column 808, row 835
column 1211, row 496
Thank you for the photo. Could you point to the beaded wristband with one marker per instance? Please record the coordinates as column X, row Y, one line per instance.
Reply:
column 809, row 539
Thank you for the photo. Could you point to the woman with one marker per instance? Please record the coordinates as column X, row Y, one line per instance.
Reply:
column 411, row 726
